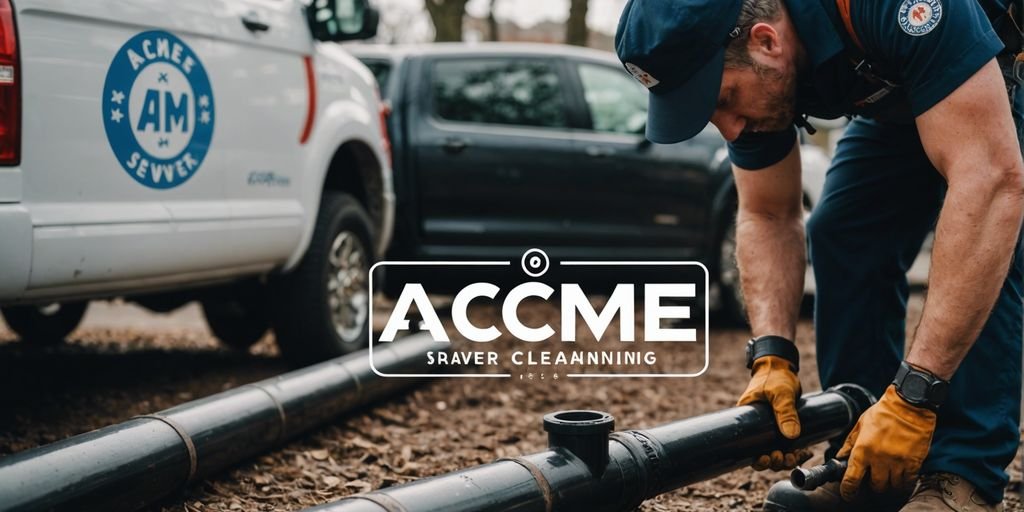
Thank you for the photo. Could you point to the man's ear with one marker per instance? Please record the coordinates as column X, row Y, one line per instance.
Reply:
column 764, row 40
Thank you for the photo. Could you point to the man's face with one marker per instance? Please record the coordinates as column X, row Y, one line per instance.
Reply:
column 760, row 98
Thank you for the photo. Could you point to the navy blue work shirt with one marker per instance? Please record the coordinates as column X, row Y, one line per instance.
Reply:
column 928, row 47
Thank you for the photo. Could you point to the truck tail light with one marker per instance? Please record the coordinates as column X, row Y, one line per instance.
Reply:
column 385, row 111
column 10, row 88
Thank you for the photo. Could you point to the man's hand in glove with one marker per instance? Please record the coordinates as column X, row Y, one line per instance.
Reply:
column 773, row 381
column 890, row 442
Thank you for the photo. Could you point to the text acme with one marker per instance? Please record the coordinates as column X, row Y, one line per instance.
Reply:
column 573, row 301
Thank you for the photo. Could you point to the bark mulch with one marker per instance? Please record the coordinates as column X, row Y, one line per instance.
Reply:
column 107, row 375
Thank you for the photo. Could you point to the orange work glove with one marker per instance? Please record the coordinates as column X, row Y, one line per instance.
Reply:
column 773, row 381
column 890, row 441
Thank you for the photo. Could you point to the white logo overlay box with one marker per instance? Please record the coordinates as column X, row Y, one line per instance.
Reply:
column 478, row 345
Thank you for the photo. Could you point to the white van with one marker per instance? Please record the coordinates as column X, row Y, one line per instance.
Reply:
column 218, row 150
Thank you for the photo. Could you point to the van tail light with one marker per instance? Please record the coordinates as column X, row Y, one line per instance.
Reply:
column 385, row 111
column 307, row 127
column 10, row 88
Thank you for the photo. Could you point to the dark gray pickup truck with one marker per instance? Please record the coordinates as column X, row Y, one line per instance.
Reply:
column 501, row 147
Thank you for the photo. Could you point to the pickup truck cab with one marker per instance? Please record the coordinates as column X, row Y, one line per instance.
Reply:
column 221, row 150
column 500, row 147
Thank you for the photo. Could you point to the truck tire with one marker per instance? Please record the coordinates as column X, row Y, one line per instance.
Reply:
column 322, row 306
column 733, row 307
column 44, row 325
column 237, row 322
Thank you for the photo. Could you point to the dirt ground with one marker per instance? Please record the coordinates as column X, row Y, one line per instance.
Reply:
column 122, row 363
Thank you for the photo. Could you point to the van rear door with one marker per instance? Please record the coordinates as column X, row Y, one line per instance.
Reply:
column 113, row 136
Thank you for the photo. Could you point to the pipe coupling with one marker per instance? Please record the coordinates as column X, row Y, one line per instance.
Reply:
column 583, row 434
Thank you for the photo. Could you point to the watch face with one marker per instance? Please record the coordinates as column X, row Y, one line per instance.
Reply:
column 915, row 387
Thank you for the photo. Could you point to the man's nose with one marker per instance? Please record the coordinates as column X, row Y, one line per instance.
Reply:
column 730, row 126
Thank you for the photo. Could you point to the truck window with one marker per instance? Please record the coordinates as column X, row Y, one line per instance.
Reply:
column 497, row 91
column 617, row 103
column 381, row 70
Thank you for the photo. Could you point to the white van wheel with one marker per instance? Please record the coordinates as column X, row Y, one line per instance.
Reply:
column 321, row 308
column 44, row 325
column 236, row 322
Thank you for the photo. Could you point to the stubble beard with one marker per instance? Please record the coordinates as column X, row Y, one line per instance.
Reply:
column 779, row 99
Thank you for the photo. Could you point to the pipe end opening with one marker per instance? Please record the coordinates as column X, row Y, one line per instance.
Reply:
column 579, row 422
column 798, row 478
column 583, row 434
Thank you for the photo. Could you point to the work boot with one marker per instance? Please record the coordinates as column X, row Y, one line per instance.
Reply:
column 946, row 492
column 783, row 497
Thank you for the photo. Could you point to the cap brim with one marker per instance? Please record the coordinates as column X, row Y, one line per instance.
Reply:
column 677, row 115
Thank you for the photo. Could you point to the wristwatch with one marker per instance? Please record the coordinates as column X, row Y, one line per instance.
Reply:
column 920, row 388
column 773, row 346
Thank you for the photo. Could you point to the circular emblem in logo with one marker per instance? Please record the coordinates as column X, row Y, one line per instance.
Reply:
column 919, row 17
column 535, row 262
column 158, row 109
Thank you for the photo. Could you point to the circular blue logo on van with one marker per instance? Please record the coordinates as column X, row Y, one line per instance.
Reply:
column 158, row 109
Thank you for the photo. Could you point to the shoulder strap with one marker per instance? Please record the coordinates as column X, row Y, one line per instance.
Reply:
column 844, row 12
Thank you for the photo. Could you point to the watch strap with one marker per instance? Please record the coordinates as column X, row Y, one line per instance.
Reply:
column 773, row 346
column 920, row 387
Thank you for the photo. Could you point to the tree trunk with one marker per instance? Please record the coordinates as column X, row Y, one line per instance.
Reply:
column 576, row 28
column 492, row 22
column 447, row 17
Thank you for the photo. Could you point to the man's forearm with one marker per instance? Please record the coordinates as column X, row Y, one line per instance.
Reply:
column 770, row 248
column 974, row 244
column 771, row 254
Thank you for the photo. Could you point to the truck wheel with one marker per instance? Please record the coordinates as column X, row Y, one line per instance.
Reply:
column 237, row 322
column 322, row 306
column 44, row 325
column 733, row 307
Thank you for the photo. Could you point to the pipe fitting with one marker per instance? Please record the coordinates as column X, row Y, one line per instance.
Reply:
column 858, row 398
column 809, row 479
column 583, row 434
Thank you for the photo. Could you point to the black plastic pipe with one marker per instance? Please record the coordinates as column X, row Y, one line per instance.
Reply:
column 131, row 464
column 586, row 469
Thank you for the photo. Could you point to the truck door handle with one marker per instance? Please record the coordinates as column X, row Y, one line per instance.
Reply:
column 454, row 146
column 253, row 23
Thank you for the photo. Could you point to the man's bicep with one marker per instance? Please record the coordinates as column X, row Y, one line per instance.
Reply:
column 970, row 132
column 929, row 52
column 774, row 191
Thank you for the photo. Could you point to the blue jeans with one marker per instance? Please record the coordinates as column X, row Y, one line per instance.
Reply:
column 882, row 197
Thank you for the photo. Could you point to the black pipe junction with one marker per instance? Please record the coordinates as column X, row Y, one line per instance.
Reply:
column 586, row 469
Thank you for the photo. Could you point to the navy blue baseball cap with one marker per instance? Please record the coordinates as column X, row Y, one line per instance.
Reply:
column 676, row 48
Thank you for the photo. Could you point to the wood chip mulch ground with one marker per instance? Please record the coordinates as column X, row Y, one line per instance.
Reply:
column 104, row 376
